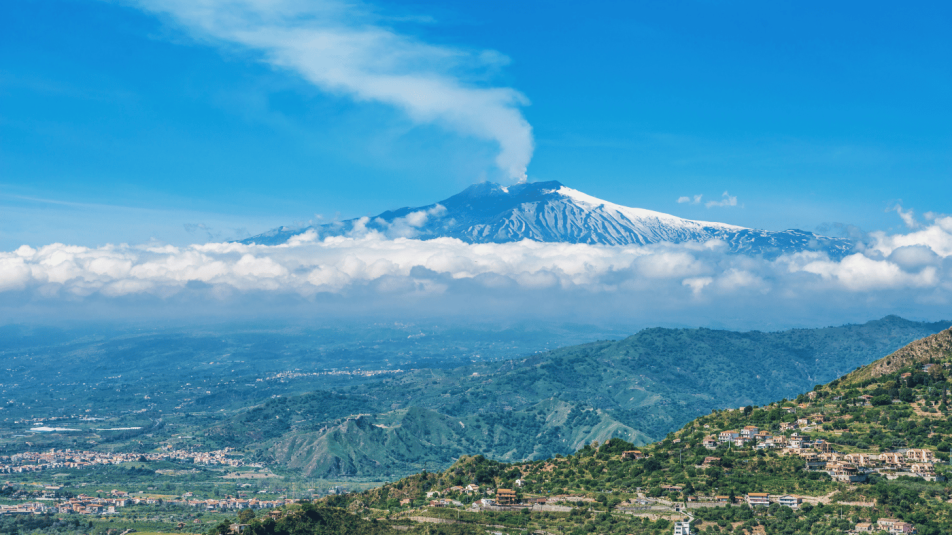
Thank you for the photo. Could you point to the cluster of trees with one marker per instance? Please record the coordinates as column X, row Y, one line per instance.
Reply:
column 46, row 524
column 311, row 519
column 775, row 519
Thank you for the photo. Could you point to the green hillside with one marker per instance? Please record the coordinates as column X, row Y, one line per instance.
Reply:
column 309, row 519
column 407, row 440
column 872, row 445
column 638, row 389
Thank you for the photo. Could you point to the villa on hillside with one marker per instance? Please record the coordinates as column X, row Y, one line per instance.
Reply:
column 728, row 436
column 922, row 456
column 893, row 525
column 682, row 528
column 792, row 502
column 505, row 496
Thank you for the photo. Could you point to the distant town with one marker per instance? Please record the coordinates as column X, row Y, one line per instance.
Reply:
column 92, row 505
column 67, row 458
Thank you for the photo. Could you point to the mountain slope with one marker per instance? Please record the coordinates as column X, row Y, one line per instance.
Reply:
column 928, row 349
column 638, row 389
column 405, row 441
column 658, row 379
column 551, row 212
column 872, row 452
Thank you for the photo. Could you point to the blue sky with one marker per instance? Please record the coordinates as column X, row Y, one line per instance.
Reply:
column 119, row 123
column 138, row 137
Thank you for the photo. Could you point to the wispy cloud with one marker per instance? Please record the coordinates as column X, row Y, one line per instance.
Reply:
column 726, row 200
column 344, row 48
column 690, row 200
column 908, row 217
column 212, row 234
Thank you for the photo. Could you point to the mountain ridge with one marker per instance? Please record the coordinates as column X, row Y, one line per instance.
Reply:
column 638, row 389
column 551, row 212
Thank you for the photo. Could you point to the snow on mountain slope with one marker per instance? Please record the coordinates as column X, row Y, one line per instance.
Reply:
column 551, row 212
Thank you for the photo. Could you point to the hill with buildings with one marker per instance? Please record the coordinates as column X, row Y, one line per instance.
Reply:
column 868, row 452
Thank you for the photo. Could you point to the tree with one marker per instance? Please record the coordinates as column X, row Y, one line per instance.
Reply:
column 245, row 516
column 223, row 528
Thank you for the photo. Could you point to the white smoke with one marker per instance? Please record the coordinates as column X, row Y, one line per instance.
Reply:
column 342, row 47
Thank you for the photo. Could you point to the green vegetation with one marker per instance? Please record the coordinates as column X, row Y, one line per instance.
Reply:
column 203, row 389
column 638, row 389
column 845, row 417
column 309, row 519
column 557, row 426
column 46, row 524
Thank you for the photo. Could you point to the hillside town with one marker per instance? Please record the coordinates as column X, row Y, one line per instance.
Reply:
column 286, row 375
column 503, row 499
column 92, row 505
column 819, row 455
column 68, row 458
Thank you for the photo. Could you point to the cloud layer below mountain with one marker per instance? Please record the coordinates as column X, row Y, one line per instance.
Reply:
column 903, row 273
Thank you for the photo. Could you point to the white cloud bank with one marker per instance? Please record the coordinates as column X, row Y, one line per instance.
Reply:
column 893, row 273
column 343, row 48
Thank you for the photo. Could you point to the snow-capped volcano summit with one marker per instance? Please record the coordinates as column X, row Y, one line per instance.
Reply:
column 551, row 212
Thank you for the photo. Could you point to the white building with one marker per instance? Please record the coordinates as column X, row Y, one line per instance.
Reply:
column 792, row 502
column 682, row 528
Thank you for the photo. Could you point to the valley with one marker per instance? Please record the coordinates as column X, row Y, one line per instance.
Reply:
column 532, row 416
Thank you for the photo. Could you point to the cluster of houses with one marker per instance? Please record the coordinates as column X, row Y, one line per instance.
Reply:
column 760, row 438
column 889, row 525
column 37, row 461
column 819, row 454
column 495, row 497
column 853, row 466
column 92, row 505
column 502, row 496
column 763, row 499
column 282, row 376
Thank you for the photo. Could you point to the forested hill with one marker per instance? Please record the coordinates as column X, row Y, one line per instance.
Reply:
column 861, row 453
column 639, row 389
column 659, row 379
